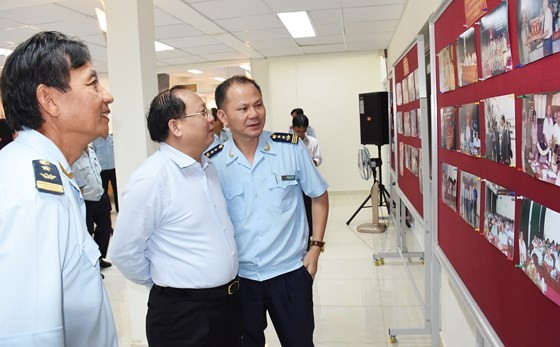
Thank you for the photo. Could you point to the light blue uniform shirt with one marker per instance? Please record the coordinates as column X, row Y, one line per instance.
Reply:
column 173, row 228
column 52, row 292
column 266, row 205
column 105, row 152
column 87, row 173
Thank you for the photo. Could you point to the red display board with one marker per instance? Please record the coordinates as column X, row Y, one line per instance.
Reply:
column 408, row 142
column 515, row 307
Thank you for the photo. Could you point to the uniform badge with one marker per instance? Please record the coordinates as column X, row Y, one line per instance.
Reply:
column 47, row 177
column 214, row 150
column 285, row 137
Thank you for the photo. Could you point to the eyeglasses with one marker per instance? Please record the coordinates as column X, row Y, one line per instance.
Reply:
column 205, row 114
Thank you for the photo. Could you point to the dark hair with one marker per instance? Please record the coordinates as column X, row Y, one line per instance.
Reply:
column 165, row 106
column 222, row 89
column 214, row 113
column 300, row 120
column 297, row 111
column 45, row 58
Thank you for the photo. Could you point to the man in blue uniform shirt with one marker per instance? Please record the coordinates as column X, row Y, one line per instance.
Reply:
column 105, row 153
column 52, row 294
column 173, row 232
column 263, row 175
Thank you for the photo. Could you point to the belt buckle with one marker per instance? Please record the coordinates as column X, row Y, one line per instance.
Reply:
column 233, row 287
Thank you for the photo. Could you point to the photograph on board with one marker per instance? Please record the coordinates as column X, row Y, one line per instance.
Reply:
column 539, row 247
column 413, row 124
column 499, row 113
column 499, row 218
column 494, row 42
column 449, row 127
column 469, row 128
column 467, row 69
column 449, row 185
column 538, row 29
column 541, row 136
column 469, row 192
column 446, row 69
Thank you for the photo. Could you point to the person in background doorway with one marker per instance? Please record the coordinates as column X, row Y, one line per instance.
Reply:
column 310, row 130
column 87, row 172
column 263, row 175
column 52, row 293
column 220, row 134
column 300, row 124
column 174, row 235
column 105, row 154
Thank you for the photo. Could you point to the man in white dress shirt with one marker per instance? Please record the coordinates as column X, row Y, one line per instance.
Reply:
column 174, row 234
column 52, row 294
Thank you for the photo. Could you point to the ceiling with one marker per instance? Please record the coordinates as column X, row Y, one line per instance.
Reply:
column 215, row 35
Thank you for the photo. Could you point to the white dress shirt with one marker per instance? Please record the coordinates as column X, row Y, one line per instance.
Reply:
column 52, row 293
column 173, row 228
column 312, row 146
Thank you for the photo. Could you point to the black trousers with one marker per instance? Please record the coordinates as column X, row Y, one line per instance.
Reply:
column 309, row 215
column 288, row 298
column 110, row 176
column 193, row 318
column 98, row 221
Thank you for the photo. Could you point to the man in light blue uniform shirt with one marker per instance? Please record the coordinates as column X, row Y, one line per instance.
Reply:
column 52, row 294
column 263, row 175
column 105, row 153
column 174, row 235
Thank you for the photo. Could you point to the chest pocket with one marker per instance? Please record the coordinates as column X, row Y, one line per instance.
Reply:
column 90, row 278
column 235, row 197
column 283, row 194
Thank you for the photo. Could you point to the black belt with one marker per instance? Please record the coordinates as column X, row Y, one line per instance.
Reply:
column 203, row 293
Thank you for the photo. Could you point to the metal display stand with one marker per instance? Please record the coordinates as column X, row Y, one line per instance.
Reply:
column 425, row 222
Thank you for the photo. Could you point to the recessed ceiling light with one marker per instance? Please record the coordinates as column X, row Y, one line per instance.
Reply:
column 219, row 79
column 5, row 52
column 196, row 72
column 297, row 23
column 160, row 47
column 101, row 19
column 246, row 66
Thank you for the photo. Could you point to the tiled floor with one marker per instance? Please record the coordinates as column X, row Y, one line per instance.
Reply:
column 356, row 302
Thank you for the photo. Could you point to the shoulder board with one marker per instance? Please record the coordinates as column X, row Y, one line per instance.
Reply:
column 214, row 150
column 285, row 137
column 47, row 177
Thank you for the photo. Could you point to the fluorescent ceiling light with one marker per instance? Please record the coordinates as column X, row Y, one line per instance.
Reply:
column 297, row 23
column 246, row 67
column 196, row 72
column 5, row 52
column 162, row 47
column 101, row 19
column 219, row 79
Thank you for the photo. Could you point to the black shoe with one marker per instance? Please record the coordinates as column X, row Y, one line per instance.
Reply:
column 104, row 263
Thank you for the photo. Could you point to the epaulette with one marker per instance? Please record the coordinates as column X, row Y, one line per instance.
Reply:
column 47, row 177
column 214, row 150
column 285, row 137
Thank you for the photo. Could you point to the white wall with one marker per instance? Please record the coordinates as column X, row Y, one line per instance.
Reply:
column 327, row 88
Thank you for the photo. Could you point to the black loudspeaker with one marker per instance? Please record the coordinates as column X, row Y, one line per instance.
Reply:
column 374, row 118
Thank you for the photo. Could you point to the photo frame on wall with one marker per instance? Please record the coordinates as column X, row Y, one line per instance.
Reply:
column 446, row 69
column 499, row 218
column 469, row 129
column 469, row 192
column 449, row 128
column 449, row 185
column 539, row 241
column 494, row 42
column 499, row 113
column 467, row 68
column 537, row 34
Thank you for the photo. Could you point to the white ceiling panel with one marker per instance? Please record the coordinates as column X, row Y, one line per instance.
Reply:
column 221, row 9
column 320, row 40
column 175, row 31
column 326, row 16
column 40, row 14
column 74, row 27
column 214, row 49
column 269, row 21
column 86, row 7
column 257, row 35
column 281, row 51
column 301, row 5
column 329, row 30
column 193, row 41
column 164, row 18
column 324, row 49
column 373, row 13
column 223, row 56
column 266, row 44
column 364, row 3
column 371, row 27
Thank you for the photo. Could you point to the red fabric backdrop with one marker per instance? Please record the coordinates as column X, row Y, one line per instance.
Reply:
column 517, row 309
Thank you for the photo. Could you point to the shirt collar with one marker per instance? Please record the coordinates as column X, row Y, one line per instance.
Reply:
column 181, row 159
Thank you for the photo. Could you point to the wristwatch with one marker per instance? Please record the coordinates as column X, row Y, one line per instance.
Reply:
column 319, row 244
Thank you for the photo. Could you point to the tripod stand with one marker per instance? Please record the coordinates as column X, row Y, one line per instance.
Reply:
column 383, row 194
